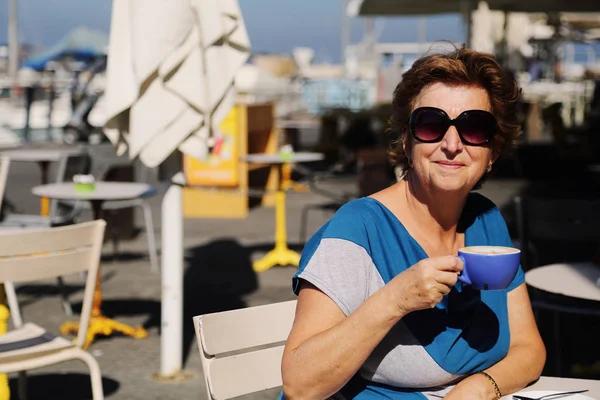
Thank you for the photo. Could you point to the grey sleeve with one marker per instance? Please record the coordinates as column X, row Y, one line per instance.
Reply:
column 344, row 271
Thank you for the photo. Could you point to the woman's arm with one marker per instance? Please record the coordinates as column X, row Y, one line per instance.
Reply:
column 326, row 348
column 524, row 361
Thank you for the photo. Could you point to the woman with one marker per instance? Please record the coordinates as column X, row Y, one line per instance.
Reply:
column 380, row 312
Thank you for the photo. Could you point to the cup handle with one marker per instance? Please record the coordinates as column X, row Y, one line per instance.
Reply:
column 463, row 276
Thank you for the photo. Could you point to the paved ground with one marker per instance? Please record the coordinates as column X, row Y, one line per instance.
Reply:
column 218, row 276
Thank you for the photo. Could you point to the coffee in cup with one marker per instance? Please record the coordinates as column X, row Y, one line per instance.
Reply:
column 489, row 267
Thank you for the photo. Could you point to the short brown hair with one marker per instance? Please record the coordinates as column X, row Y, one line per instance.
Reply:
column 460, row 67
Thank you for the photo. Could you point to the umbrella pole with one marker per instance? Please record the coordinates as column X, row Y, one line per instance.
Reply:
column 171, row 337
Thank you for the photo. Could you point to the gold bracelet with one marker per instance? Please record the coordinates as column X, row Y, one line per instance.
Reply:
column 496, row 388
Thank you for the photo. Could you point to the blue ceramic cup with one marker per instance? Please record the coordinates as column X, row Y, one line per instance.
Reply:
column 489, row 267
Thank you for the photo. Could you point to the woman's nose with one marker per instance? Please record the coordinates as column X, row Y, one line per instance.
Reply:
column 451, row 141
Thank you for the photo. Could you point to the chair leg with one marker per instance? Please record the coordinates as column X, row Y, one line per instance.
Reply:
column 149, row 223
column 304, row 223
column 65, row 297
column 22, row 385
column 95, row 374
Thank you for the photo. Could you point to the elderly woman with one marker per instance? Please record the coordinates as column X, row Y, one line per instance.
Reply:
column 380, row 312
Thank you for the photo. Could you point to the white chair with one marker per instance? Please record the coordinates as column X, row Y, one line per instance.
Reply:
column 241, row 350
column 27, row 255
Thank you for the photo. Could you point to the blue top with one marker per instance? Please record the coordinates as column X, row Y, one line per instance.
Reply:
column 361, row 249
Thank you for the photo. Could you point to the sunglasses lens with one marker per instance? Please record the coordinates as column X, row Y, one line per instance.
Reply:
column 476, row 127
column 429, row 125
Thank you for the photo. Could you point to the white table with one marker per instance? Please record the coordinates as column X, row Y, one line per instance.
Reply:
column 281, row 254
column 104, row 191
column 577, row 280
column 574, row 280
column 563, row 384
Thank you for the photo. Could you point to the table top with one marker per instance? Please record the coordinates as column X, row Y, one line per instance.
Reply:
column 263, row 158
column 108, row 191
column 40, row 154
column 563, row 384
column 578, row 280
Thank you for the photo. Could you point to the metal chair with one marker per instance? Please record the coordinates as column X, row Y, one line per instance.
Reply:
column 241, row 350
column 61, row 213
column 28, row 255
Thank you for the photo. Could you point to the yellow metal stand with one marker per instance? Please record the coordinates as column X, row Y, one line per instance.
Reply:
column 101, row 325
column 4, row 388
column 281, row 254
column 45, row 206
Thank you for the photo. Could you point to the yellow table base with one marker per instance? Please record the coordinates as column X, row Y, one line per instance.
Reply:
column 281, row 254
column 103, row 326
column 278, row 256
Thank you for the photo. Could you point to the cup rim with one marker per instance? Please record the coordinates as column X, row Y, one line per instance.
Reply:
column 515, row 250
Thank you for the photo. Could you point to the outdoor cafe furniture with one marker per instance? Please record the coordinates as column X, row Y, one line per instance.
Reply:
column 30, row 255
column 63, row 214
column 43, row 156
column 557, row 222
column 102, row 192
column 281, row 254
column 246, row 357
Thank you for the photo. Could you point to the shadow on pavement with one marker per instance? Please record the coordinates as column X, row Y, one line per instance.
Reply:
column 67, row 386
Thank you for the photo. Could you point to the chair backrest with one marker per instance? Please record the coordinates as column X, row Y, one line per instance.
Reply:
column 241, row 350
column 4, row 165
column 29, row 255
column 556, row 219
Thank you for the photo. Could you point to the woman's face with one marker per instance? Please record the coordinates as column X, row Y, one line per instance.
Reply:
column 450, row 165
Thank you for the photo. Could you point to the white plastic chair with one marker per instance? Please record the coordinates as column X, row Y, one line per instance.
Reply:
column 28, row 255
column 241, row 350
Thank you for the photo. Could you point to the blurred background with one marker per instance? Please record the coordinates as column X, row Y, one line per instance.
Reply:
column 318, row 79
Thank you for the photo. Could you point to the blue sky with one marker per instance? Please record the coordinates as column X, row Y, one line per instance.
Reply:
column 274, row 25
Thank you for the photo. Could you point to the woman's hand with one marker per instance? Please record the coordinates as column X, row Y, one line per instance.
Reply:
column 424, row 284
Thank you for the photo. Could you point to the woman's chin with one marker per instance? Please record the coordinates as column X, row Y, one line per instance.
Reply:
column 449, row 184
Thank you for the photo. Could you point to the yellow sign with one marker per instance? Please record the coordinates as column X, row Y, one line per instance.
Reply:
column 221, row 168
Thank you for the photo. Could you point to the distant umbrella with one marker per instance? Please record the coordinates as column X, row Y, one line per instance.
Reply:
column 81, row 44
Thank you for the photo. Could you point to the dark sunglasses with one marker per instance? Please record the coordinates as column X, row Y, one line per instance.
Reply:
column 430, row 124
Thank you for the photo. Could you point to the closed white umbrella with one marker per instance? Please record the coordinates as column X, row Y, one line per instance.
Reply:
column 170, row 82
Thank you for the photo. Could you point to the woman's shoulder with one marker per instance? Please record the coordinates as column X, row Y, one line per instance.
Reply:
column 352, row 221
column 364, row 207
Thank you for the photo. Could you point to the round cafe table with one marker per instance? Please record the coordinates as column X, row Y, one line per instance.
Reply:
column 43, row 156
column 281, row 254
column 579, row 281
column 103, row 191
column 576, row 280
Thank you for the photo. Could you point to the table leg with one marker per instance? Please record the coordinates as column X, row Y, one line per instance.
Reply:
column 44, row 201
column 99, row 324
column 4, row 314
column 281, row 254
column 286, row 180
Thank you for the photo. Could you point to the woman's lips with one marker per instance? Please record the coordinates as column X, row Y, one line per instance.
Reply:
column 450, row 165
